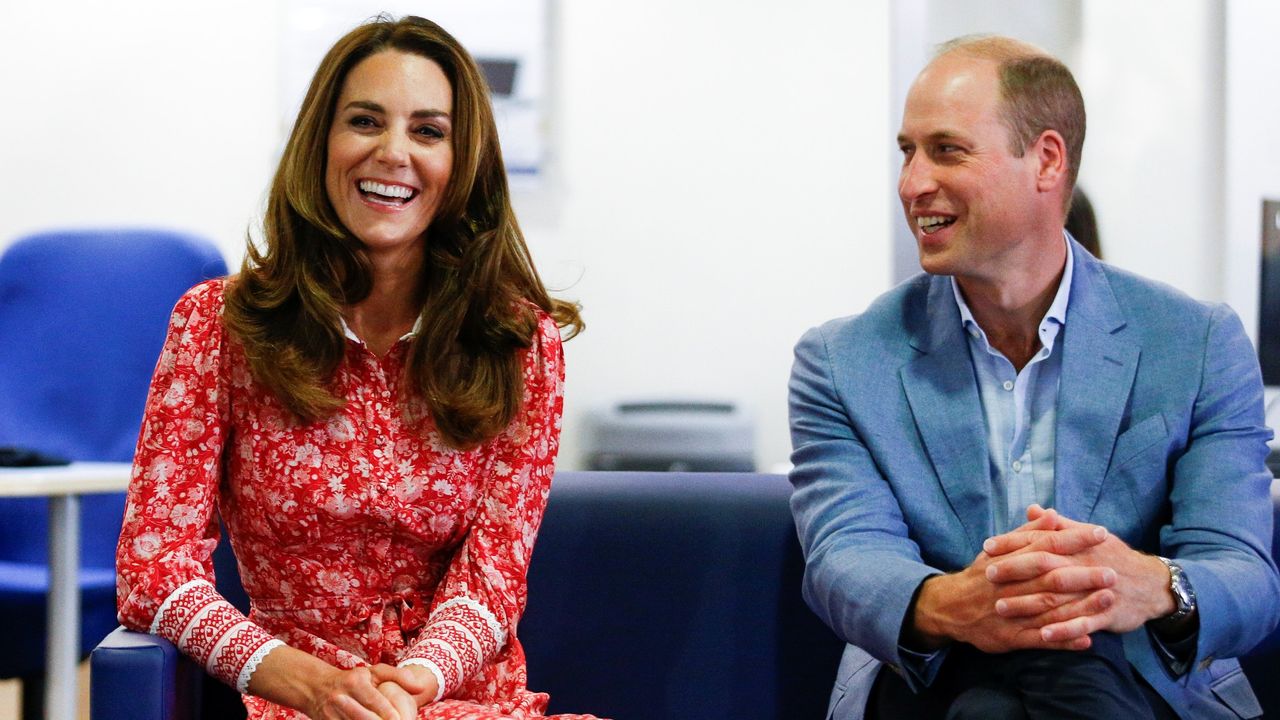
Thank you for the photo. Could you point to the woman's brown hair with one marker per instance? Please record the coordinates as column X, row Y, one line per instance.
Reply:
column 478, row 278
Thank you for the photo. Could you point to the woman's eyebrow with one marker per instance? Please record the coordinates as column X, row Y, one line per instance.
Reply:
column 375, row 107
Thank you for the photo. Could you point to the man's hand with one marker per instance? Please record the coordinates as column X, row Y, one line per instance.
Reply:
column 1040, row 569
column 963, row 606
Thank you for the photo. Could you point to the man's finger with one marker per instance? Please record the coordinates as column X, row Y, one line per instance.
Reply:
column 1050, row 607
column 1024, row 566
column 1076, row 627
column 1034, row 604
column 1011, row 541
column 1067, row 579
column 1072, row 540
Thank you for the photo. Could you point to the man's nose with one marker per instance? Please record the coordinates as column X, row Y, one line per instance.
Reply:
column 916, row 179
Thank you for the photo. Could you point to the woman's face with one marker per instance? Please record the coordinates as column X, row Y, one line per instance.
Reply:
column 390, row 149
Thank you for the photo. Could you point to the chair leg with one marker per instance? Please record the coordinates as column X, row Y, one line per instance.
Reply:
column 33, row 697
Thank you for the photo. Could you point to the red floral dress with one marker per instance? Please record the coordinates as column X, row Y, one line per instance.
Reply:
column 362, row 538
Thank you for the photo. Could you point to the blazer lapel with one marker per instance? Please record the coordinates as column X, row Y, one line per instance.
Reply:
column 1098, row 368
column 943, row 394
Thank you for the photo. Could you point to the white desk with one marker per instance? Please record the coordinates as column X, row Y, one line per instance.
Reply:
column 63, row 485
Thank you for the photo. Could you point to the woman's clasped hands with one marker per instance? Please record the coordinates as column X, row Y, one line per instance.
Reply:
column 377, row 692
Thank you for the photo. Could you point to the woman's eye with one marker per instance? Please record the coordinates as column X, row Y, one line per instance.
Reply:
column 430, row 131
column 362, row 121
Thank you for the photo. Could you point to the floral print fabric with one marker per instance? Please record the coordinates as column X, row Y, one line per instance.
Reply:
column 362, row 538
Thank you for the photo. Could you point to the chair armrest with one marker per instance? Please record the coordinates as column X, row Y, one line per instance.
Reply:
column 137, row 676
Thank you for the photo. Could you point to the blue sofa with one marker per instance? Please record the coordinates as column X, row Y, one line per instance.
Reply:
column 652, row 595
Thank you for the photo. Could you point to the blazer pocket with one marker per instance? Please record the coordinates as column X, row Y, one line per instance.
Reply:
column 1131, row 443
column 1234, row 691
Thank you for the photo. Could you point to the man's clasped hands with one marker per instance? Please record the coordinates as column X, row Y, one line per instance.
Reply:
column 1048, row 584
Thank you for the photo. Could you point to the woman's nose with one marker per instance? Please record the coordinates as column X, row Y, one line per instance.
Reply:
column 393, row 149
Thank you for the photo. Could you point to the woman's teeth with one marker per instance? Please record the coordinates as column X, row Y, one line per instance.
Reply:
column 399, row 193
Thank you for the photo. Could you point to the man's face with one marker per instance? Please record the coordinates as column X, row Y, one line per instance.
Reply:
column 969, row 201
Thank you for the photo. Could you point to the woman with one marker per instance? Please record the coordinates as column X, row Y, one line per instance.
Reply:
column 373, row 406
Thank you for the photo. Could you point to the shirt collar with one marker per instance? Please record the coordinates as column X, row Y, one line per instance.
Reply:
column 1054, row 317
column 350, row 335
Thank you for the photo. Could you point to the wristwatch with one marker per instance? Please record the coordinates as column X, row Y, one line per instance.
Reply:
column 1184, row 597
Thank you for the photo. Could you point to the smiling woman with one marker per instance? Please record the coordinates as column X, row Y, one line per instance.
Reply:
column 372, row 406
column 391, row 151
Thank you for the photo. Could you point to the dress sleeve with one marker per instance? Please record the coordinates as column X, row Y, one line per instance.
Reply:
column 484, row 590
column 163, row 562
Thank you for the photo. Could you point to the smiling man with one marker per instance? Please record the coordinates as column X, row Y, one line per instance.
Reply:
column 1028, row 484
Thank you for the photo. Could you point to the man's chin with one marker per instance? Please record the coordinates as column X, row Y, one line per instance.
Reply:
column 936, row 263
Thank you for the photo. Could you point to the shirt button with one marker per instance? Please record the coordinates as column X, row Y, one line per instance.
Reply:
column 1008, row 385
column 1017, row 466
column 973, row 332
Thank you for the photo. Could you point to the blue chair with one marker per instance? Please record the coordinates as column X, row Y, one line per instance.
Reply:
column 82, row 320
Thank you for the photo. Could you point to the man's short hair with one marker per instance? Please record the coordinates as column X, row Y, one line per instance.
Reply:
column 1038, row 92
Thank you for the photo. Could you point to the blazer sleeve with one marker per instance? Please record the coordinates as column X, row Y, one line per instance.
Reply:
column 861, row 566
column 1220, row 528
column 478, row 604
column 163, row 562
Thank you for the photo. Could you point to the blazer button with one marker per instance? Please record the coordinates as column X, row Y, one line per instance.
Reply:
column 1206, row 662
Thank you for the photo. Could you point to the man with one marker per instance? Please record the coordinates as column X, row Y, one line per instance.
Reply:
column 1020, row 373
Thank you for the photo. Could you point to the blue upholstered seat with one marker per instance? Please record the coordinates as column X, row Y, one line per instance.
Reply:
column 82, row 320
column 651, row 595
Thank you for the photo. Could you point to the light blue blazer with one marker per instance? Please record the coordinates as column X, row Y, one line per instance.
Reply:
column 1160, row 438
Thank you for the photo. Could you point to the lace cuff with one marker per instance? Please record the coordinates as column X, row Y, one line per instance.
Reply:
column 461, row 635
column 213, row 632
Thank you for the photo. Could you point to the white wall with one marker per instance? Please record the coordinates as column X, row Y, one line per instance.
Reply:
column 1153, row 158
column 1252, row 152
column 139, row 112
column 717, row 179
column 723, row 192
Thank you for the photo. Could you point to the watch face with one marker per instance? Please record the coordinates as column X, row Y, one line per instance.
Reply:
column 1184, row 597
column 1181, row 590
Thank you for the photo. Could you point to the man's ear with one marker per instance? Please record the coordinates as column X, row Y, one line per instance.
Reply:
column 1052, row 165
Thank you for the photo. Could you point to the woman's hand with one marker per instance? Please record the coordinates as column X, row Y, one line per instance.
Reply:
column 296, row 679
column 290, row 677
column 404, row 703
column 416, row 682
column 353, row 695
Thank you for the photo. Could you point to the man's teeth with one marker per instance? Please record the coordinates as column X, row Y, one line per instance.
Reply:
column 933, row 223
column 393, row 191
